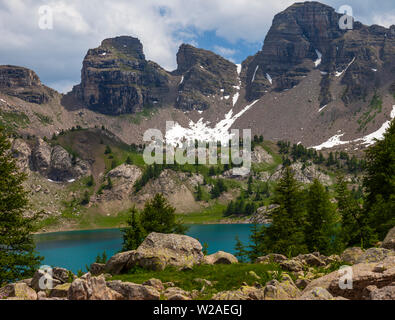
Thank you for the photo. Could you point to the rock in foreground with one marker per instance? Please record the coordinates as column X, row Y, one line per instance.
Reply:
column 158, row 251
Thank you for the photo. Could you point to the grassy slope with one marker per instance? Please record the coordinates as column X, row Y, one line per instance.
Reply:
column 90, row 145
column 224, row 277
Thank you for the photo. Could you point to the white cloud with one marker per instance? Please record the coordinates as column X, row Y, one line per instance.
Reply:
column 226, row 52
column 385, row 20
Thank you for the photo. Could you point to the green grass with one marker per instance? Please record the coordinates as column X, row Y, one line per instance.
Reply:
column 223, row 277
column 13, row 120
column 211, row 214
column 45, row 120
column 376, row 106
column 137, row 117
column 100, row 221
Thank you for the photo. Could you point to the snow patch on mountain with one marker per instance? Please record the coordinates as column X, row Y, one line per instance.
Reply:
column 368, row 140
column 253, row 77
column 319, row 60
column 238, row 69
column 269, row 78
column 201, row 130
column 338, row 74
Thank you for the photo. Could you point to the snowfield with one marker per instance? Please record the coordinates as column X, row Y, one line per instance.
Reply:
column 368, row 140
column 319, row 60
column 202, row 131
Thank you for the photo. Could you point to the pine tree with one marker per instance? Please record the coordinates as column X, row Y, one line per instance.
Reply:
column 240, row 251
column 199, row 193
column 134, row 234
column 320, row 219
column 159, row 216
column 18, row 260
column 128, row 160
column 249, row 185
column 107, row 150
column 255, row 247
column 286, row 233
column 86, row 198
column 379, row 183
column 355, row 230
column 90, row 181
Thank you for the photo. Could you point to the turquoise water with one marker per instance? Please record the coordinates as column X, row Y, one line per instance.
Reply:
column 75, row 249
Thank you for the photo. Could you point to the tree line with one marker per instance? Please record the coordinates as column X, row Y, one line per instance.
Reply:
column 306, row 220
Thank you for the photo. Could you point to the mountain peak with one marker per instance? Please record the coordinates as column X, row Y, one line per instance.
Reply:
column 126, row 45
column 23, row 83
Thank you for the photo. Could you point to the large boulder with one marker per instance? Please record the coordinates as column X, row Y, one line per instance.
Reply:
column 132, row 291
column 379, row 274
column 375, row 255
column 316, row 294
column 311, row 260
column 293, row 265
column 56, row 277
column 351, row 255
column 155, row 283
column 92, row 288
column 97, row 268
column 118, row 262
column 175, row 293
column 244, row 293
column 220, row 257
column 284, row 290
column 389, row 241
column 158, row 251
column 271, row 258
column 18, row 291
column 385, row 293
column 60, row 291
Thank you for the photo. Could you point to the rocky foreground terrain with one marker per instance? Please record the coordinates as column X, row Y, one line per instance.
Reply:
column 305, row 277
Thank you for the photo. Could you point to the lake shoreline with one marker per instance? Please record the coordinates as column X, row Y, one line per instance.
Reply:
column 223, row 222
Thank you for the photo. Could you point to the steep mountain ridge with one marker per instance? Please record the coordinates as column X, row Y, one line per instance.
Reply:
column 24, row 84
column 310, row 83
column 116, row 78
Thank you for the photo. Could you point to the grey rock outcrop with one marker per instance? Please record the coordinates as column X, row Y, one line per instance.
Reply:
column 158, row 251
column 220, row 257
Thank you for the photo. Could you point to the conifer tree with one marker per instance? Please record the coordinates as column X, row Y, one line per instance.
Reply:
column 285, row 235
column 320, row 219
column 128, row 160
column 355, row 230
column 379, row 183
column 159, row 216
column 199, row 193
column 133, row 234
column 255, row 247
column 18, row 259
column 240, row 250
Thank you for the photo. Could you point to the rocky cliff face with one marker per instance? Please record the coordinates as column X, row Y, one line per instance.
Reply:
column 307, row 36
column 116, row 78
column 24, row 84
column 54, row 163
column 203, row 76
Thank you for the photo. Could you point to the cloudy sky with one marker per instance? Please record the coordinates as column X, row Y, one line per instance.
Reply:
column 233, row 28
